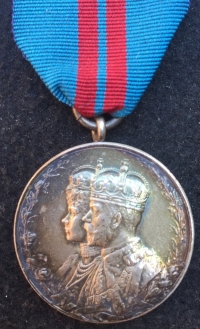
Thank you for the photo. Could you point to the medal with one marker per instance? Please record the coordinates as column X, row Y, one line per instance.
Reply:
column 103, row 231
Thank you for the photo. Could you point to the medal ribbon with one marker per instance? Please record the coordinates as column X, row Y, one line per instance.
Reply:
column 96, row 55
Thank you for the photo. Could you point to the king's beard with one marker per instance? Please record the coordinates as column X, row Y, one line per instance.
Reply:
column 99, row 237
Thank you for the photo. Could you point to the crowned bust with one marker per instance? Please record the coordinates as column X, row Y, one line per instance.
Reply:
column 105, row 206
column 127, row 268
column 78, row 189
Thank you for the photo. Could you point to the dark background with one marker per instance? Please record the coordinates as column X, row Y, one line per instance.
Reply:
column 34, row 126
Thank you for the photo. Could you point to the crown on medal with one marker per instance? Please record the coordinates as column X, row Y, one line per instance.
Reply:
column 80, row 178
column 78, row 190
column 119, row 187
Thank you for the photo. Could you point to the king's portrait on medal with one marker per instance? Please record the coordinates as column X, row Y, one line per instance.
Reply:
column 114, row 271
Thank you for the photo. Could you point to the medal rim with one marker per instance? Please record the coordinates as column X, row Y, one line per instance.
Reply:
column 168, row 173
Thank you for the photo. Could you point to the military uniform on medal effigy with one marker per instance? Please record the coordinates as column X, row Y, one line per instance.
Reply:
column 129, row 273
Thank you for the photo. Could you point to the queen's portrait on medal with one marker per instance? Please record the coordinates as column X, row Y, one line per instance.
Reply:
column 76, row 268
column 103, row 234
column 112, row 274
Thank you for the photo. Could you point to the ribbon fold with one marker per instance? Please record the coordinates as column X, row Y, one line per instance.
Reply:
column 96, row 55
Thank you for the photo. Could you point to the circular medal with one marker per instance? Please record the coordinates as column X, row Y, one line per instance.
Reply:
column 103, row 232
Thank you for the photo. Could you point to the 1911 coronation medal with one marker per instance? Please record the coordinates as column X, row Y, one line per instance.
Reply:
column 103, row 232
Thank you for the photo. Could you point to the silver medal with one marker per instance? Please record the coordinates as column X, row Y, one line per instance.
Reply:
column 104, row 232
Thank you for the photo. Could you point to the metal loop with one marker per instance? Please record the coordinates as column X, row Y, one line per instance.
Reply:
column 99, row 134
column 92, row 125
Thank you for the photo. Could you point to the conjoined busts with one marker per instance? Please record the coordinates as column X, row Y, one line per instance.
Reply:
column 105, row 207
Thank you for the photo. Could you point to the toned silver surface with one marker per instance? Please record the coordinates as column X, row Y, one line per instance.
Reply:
column 103, row 232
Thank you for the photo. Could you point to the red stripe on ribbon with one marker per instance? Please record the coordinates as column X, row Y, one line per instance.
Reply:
column 116, row 56
column 87, row 57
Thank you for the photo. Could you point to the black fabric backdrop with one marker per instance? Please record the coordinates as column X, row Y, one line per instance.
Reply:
column 34, row 126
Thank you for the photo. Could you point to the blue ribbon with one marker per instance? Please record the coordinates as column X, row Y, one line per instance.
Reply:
column 49, row 32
